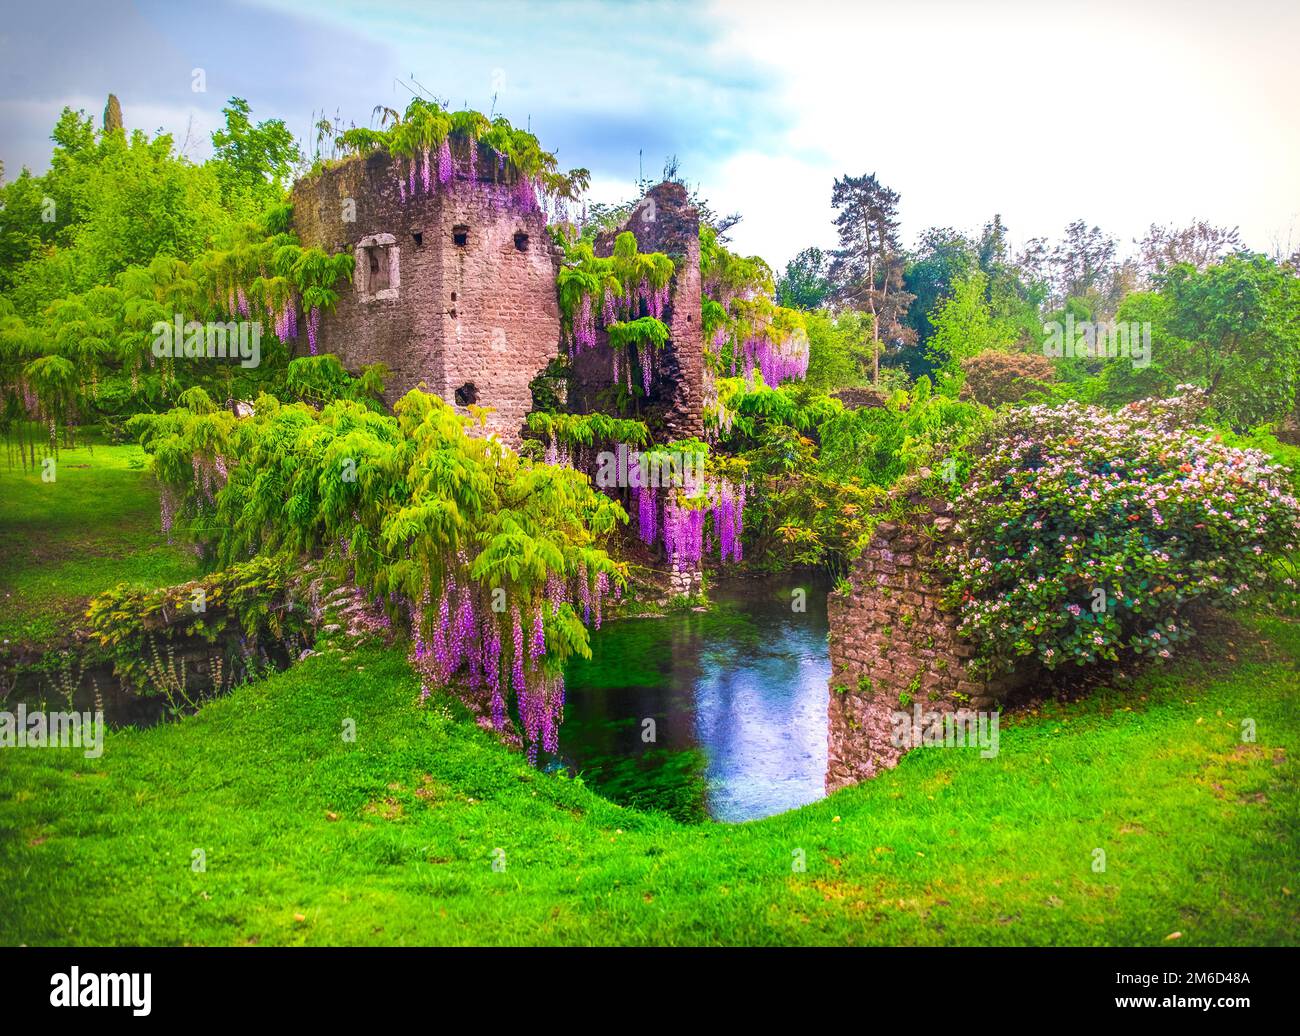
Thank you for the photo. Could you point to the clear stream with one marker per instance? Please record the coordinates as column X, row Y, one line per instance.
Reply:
column 737, row 694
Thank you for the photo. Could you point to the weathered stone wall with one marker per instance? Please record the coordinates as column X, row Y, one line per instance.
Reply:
column 454, row 287
column 663, row 221
column 894, row 645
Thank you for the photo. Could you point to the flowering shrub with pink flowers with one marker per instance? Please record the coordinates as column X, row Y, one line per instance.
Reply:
column 1093, row 534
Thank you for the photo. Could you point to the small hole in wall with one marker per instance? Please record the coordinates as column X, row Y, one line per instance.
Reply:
column 521, row 242
column 460, row 235
column 466, row 394
column 419, row 239
column 453, row 296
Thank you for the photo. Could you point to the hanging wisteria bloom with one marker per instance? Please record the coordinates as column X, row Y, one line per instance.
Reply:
column 426, row 171
column 728, row 506
column 553, row 714
column 658, row 301
column 286, row 321
column 584, row 327
column 647, row 513
column 313, row 325
column 538, row 647
column 445, row 169
column 517, row 674
column 492, row 669
column 167, row 503
column 602, row 588
column 463, row 630
column 647, row 366
column 525, row 197
column 683, row 527
column 441, row 648
column 785, row 359
column 683, row 533
column 556, row 593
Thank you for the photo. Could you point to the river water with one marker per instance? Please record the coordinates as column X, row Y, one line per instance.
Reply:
column 737, row 697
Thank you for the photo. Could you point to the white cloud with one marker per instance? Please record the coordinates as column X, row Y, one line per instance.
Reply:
column 1044, row 115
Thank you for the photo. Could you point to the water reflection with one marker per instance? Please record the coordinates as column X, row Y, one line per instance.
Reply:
column 737, row 697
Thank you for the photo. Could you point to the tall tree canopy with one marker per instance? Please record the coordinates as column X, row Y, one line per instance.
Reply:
column 867, row 270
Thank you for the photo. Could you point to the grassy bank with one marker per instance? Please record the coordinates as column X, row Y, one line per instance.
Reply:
column 309, row 838
column 63, row 541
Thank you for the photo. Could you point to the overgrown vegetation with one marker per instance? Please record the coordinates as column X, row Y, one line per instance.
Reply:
column 1102, row 525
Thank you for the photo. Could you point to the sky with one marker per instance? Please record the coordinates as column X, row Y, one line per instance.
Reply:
column 1123, row 114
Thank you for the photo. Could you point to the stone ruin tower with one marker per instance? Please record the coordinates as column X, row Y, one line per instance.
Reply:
column 662, row 221
column 454, row 286
column 455, row 289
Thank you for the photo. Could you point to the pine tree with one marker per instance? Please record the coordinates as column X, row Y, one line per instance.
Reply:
column 868, row 266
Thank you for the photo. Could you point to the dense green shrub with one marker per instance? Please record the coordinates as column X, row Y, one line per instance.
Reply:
column 994, row 378
column 820, row 472
column 914, row 430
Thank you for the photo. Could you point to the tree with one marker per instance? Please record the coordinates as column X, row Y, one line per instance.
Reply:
column 109, row 201
column 805, row 284
column 1234, row 328
column 113, row 115
column 20, row 225
column 1199, row 244
column 837, row 349
column 1035, row 265
column 993, row 244
column 1083, row 262
column 942, row 256
column 964, row 325
column 1014, row 293
column 252, row 163
column 867, row 270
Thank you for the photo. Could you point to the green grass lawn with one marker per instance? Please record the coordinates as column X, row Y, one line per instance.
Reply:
column 62, row 542
column 309, row 838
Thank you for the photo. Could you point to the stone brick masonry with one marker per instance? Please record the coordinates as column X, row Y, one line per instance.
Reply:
column 454, row 288
column 894, row 645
